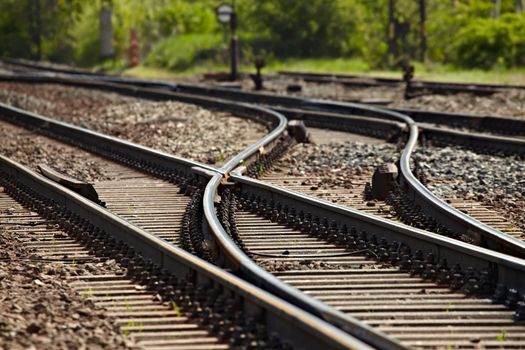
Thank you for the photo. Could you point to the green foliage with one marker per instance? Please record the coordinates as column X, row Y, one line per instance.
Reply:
column 35, row 28
column 176, row 34
column 447, row 24
column 373, row 28
column 307, row 28
column 485, row 43
column 86, row 49
column 182, row 51
column 155, row 21
column 12, row 31
column 502, row 336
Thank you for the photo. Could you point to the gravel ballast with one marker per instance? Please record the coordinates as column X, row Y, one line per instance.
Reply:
column 508, row 103
column 335, row 164
column 31, row 150
column 330, row 91
column 183, row 129
column 39, row 308
column 453, row 172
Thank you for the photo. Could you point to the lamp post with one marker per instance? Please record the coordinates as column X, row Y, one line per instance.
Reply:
column 226, row 15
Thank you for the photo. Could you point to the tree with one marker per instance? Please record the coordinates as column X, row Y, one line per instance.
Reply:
column 37, row 28
column 311, row 28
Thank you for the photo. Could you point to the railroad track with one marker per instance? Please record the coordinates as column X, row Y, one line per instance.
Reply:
column 353, row 188
column 152, row 203
column 468, row 281
column 419, row 310
column 320, row 78
column 161, row 296
column 477, row 123
column 147, row 321
column 338, row 262
column 433, row 86
column 411, row 287
column 362, row 120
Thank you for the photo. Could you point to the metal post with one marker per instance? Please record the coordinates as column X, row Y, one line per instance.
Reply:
column 234, row 52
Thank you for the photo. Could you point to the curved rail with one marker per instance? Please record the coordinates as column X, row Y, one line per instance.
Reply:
column 259, row 146
column 294, row 325
column 255, row 274
column 429, row 202
column 94, row 140
column 433, row 206
column 447, row 215
column 509, row 270
column 48, row 68
column 505, row 125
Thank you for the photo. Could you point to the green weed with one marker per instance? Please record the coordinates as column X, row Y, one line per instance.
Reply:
column 502, row 336
column 176, row 308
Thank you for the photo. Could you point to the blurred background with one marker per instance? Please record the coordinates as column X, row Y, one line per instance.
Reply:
column 483, row 39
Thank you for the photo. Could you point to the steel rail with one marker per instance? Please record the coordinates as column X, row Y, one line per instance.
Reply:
column 252, row 150
column 432, row 205
column 506, row 145
column 429, row 202
column 355, row 326
column 350, row 79
column 95, row 140
column 260, row 146
column 375, row 81
column 37, row 121
column 250, row 271
column 210, row 211
column 481, row 122
column 485, row 122
column 46, row 67
column 294, row 325
column 238, row 108
column 510, row 271
column 506, row 125
column 274, row 121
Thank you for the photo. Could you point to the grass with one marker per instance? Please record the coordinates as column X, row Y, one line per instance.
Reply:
column 433, row 71
column 334, row 65
column 502, row 336
column 181, row 52
column 176, row 308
